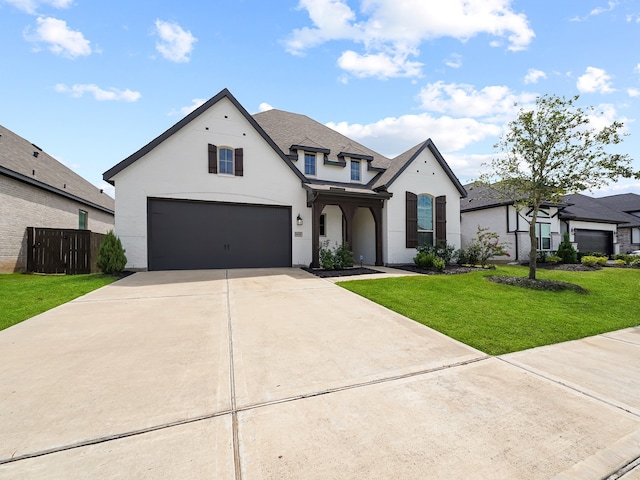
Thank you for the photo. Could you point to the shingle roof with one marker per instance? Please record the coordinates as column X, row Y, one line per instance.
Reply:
column 625, row 202
column 24, row 161
column 481, row 196
column 287, row 129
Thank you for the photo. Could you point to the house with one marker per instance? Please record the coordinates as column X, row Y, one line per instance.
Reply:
column 38, row 191
column 225, row 189
column 629, row 232
column 593, row 226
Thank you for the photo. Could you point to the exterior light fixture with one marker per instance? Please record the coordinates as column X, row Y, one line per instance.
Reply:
column 299, row 220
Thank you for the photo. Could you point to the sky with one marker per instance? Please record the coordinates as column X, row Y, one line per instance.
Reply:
column 91, row 82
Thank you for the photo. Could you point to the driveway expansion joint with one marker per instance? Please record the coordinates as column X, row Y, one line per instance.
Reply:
column 550, row 378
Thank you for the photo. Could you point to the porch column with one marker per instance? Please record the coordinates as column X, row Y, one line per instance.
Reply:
column 348, row 210
column 316, row 209
column 377, row 218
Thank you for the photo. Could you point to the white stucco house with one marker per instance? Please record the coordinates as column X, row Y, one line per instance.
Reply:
column 226, row 189
column 592, row 223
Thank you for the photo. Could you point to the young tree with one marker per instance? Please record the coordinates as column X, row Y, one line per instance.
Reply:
column 549, row 151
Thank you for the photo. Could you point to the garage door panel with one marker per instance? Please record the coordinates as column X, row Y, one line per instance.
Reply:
column 594, row 241
column 197, row 235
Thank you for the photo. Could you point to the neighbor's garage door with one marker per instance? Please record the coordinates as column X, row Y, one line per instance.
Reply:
column 186, row 235
column 594, row 241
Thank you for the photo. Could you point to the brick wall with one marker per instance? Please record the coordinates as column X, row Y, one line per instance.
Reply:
column 624, row 241
column 23, row 206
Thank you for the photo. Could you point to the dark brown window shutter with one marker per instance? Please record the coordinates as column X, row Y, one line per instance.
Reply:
column 412, row 220
column 239, row 163
column 441, row 220
column 213, row 159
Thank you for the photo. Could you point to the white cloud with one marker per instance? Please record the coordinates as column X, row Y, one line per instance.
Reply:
column 595, row 80
column 533, row 75
column 31, row 6
column 454, row 61
column 111, row 94
column 597, row 11
column 186, row 110
column 495, row 102
column 633, row 92
column 175, row 44
column 264, row 106
column 637, row 68
column 381, row 65
column 390, row 31
column 392, row 136
column 60, row 38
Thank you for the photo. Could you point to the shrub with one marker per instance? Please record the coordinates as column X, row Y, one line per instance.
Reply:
column 635, row 262
column 425, row 260
column 592, row 261
column 439, row 264
column 111, row 257
column 566, row 251
column 619, row 261
column 485, row 246
column 337, row 259
column 553, row 259
column 625, row 257
column 542, row 256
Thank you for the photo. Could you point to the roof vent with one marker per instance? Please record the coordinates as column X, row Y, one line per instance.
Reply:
column 36, row 146
column 33, row 172
column 35, row 154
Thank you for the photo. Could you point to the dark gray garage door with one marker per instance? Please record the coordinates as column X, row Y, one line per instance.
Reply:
column 594, row 241
column 188, row 235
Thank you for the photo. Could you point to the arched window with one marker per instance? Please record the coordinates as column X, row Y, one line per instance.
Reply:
column 425, row 220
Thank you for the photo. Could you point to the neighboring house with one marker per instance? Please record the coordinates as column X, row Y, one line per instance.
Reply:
column 38, row 191
column 628, row 232
column 225, row 189
column 483, row 208
column 593, row 226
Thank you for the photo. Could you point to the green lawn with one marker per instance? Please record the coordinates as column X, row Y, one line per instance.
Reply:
column 499, row 319
column 22, row 296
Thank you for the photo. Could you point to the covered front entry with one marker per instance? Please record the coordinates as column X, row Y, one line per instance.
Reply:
column 191, row 235
column 349, row 203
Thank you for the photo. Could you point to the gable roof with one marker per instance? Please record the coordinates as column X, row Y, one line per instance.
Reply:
column 28, row 163
column 400, row 163
column 109, row 174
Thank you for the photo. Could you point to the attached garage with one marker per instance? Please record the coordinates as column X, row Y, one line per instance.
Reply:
column 191, row 235
column 594, row 241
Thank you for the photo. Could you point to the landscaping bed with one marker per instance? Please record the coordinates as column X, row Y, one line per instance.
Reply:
column 448, row 270
column 346, row 272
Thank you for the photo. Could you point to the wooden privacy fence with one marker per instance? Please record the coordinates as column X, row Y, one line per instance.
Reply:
column 56, row 250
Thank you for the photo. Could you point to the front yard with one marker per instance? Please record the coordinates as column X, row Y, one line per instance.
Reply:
column 22, row 296
column 498, row 318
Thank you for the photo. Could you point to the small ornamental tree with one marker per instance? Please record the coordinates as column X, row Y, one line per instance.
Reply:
column 111, row 257
column 549, row 151
column 566, row 252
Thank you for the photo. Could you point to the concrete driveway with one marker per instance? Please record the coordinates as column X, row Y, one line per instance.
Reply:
column 261, row 374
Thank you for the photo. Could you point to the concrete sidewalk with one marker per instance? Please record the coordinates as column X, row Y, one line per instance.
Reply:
column 260, row 374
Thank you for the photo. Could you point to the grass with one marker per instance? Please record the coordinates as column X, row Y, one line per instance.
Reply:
column 22, row 295
column 498, row 319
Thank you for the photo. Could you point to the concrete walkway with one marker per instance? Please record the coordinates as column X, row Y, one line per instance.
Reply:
column 261, row 374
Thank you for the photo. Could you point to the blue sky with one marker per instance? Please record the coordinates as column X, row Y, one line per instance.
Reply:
column 91, row 82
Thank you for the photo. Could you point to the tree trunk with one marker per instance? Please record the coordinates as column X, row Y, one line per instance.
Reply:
column 533, row 253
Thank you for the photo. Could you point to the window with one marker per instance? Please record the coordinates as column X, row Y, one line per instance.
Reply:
column 425, row 220
column 310, row 164
column 323, row 225
column 355, row 170
column 83, row 220
column 543, row 233
column 225, row 161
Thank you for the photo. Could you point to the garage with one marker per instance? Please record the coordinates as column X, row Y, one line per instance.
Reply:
column 192, row 235
column 594, row 241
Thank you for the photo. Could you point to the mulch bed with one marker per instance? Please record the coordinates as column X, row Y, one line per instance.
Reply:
column 448, row 270
column 347, row 272
column 524, row 282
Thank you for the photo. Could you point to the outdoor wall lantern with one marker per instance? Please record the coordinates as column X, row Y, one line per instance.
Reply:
column 299, row 220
